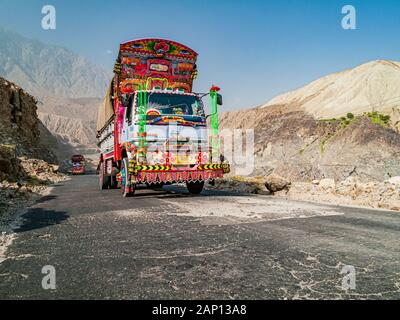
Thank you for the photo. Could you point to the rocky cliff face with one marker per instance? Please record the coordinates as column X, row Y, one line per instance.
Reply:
column 19, row 131
column 18, row 116
column 26, row 160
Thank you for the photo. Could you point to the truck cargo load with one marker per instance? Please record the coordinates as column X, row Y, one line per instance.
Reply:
column 106, row 109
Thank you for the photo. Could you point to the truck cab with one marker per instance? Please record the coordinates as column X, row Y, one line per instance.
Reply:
column 176, row 127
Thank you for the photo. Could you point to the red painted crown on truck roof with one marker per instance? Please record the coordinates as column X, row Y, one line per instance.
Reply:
column 156, row 64
column 159, row 47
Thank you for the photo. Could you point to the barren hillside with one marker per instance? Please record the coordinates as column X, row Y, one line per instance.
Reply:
column 74, row 131
column 293, row 141
column 371, row 86
column 71, row 120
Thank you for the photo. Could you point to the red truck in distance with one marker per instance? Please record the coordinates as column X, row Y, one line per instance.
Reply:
column 78, row 164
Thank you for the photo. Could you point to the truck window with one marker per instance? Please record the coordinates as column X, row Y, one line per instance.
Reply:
column 175, row 104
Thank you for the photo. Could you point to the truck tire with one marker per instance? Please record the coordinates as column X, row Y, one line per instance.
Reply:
column 126, row 191
column 113, row 182
column 195, row 187
column 104, row 181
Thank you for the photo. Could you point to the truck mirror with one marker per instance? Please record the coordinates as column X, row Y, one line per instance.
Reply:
column 219, row 100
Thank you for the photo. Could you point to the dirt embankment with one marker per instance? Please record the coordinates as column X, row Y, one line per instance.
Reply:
column 27, row 164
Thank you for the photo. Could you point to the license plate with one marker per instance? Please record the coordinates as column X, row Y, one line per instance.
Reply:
column 182, row 160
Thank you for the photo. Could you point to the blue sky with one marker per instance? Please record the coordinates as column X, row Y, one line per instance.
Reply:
column 252, row 49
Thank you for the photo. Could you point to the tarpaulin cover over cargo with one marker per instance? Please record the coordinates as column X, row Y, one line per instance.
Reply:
column 106, row 109
column 151, row 64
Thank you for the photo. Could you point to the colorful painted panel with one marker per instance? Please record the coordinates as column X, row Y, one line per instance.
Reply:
column 178, row 176
column 161, row 64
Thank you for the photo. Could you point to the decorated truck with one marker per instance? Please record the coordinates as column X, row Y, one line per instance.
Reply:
column 152, row 129
column 78, row 164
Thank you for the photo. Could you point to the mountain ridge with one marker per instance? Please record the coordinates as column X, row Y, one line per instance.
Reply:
column 49, row 70
column 67, row 86
column 372, row 86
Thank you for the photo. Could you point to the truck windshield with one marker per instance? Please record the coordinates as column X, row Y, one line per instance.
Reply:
column 174, row 104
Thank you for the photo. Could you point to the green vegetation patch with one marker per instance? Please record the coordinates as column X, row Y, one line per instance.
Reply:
column 379, row 118
column 375, row 117
column 342, row 122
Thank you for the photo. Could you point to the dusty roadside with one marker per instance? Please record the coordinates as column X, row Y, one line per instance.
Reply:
column 350, row 192
column 15, row 197
column 379, row 195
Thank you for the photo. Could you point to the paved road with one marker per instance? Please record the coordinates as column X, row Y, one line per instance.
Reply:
column 170, row 245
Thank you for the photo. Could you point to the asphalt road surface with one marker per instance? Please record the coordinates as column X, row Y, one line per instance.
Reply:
column 170, row 245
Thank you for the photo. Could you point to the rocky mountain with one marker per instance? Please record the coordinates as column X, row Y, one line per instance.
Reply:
column 370, row 86
column 65, row 84
column 72, row 121
column 48, row 70
column 73, row 131
column 303, row 135
column 78, row 108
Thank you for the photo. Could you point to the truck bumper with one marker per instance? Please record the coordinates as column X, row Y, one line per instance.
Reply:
column 168, row 174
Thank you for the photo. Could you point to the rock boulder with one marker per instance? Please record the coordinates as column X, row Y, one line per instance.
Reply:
column 275, row 183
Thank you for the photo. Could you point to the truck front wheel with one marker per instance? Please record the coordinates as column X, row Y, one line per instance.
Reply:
column 195, row 187
column 126, row 189
column 113, row 182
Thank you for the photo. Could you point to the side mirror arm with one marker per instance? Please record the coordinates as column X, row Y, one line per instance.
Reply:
column 208, row 116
